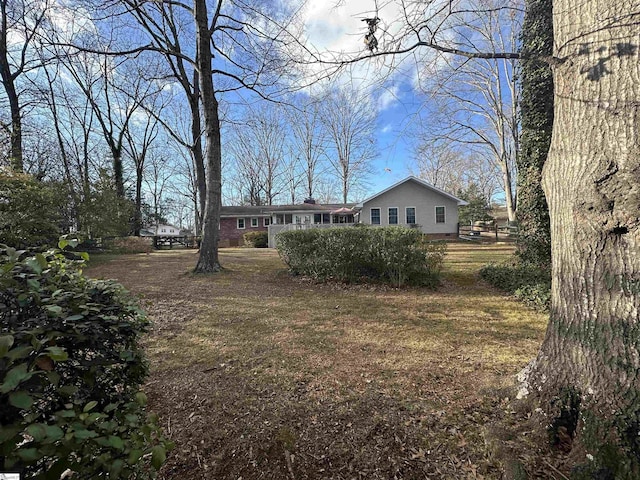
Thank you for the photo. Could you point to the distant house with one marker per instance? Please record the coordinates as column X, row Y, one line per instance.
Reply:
column 413, row 203
column 163, row 230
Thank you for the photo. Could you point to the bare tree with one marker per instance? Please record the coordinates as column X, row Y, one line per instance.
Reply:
column 308, row 141
column 19, row 25
column 237, row 47
column 452, row 169
column 478, row 98
column 139, row 141
column 158, row 173
column 115, row 90
column 259, row 148
column 350, row 124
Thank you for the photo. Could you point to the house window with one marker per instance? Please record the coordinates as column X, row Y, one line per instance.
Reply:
column 375, row 216
column 440, row 217
column 317, row 218
column 326, row 218
column 254, row 222
column 411, row 215
column 241, row 225
column 266, row 221
column 164, row 230
column 393, row 215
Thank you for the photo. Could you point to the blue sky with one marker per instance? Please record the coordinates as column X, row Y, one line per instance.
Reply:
column 337, row 27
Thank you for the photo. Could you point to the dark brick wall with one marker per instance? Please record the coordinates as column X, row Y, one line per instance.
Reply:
column 230, row 236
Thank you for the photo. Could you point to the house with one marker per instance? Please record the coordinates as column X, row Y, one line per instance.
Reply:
column 413, row 203
column 235, row 221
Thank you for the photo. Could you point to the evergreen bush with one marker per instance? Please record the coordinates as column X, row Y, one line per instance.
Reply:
column 395, row 255
column 256, row 239
column 528, row 282
column 70, row 373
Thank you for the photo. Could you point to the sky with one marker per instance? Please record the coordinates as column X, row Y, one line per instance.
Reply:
column 333, row 26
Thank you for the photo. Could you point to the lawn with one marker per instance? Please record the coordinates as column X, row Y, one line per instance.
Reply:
column 256, row 374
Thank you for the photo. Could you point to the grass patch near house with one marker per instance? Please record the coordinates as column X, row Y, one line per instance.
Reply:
column 257, row 374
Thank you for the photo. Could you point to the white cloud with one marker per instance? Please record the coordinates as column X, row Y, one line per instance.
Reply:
column 388, row 98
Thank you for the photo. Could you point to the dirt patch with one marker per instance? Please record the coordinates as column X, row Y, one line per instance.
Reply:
column 256, row 374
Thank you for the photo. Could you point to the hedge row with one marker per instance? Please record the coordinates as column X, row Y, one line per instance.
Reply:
column 70, row 373
column 529, row 283
column 395, row 255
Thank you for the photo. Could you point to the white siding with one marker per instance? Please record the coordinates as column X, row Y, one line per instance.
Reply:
column 425, row 201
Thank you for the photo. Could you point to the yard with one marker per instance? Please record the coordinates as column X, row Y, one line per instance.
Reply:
column 256, row 374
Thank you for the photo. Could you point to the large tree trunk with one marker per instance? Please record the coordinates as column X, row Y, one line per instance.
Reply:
column 208, row 259
column 536, row 107
column 590, row 358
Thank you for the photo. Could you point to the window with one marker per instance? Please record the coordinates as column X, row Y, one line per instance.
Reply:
column 317, row 218
column 375, row 216
column 440, row 217
column 411, row 215
column 326, row 218
column 266, row 221
column 254, row 222
column 393, row 215
column 241, row 224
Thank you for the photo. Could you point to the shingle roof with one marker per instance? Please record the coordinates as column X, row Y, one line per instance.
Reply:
column 266, row 210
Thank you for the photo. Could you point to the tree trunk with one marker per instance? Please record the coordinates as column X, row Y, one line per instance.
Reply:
column 590, row 358
column 118, row 172
column 508, row 193
column 8, row 82
column 536, row 107
column 208, row 259
column 16, row 121
column 198, row 157
column 137, row 220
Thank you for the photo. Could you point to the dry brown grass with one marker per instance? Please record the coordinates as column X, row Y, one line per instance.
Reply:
column 259, row 375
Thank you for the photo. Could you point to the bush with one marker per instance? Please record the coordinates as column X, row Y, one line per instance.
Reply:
column 256, row 239
column 527, row 282
column 70, row 372
column 394, row 255
column 130, row 245
column 29, row 211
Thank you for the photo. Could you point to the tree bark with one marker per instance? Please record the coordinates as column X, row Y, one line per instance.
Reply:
column 588, row 367
column 536, row 106
column 208, row 260
column 8, row 82
column 137, row 220
column 198, row 157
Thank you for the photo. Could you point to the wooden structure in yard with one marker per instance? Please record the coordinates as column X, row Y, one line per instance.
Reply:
column 170, row 235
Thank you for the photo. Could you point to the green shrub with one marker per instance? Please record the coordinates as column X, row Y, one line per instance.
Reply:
column 394, row 255
column 30, row 211
column 527, row 282
column 256, row 239
column 70, row 372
